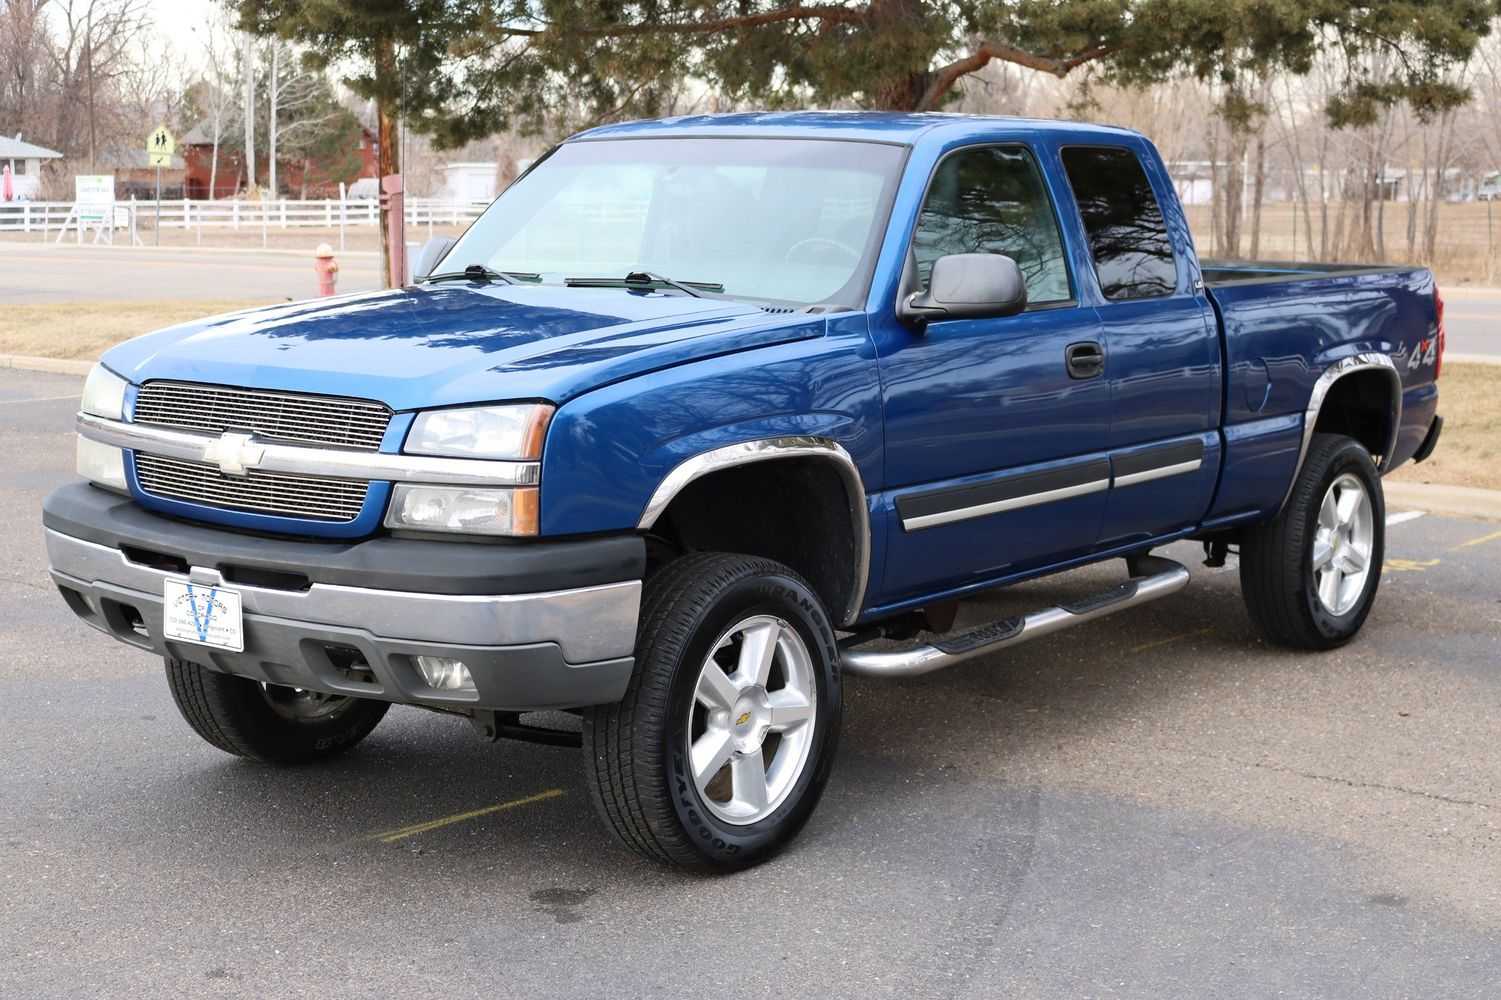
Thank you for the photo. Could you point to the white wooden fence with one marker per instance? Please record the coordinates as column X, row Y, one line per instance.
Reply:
column 50, row 217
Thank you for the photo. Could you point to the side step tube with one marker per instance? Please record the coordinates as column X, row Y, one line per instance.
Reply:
column 1160, row 577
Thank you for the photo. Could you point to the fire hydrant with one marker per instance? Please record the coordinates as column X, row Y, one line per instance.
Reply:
column 327, row 269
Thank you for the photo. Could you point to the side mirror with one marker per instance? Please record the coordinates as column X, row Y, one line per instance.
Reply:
column 966, row 286
column 431, row 253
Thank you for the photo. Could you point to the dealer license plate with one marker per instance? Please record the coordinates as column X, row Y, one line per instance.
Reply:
column 209, row 616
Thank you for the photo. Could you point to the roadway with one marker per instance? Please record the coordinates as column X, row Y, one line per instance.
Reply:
column 1156, row 805
column 41, row 273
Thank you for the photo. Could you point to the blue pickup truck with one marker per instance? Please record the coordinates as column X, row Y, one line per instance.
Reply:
column 703, row 414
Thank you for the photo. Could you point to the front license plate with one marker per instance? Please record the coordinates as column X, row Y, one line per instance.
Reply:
column 209, row 616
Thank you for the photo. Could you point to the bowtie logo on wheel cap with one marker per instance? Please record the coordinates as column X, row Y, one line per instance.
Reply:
column 744, row 718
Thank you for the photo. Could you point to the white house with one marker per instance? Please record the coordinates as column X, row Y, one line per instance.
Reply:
column 25, row 162
column 470, row 181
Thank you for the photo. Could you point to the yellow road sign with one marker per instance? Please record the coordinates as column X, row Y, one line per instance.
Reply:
column 161, row 146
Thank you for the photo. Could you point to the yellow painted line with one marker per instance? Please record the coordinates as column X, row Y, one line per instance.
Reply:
column 1469, row 315
column 1477, row 541
column 392, row 836
column 1163, row 642
column 1408, row 565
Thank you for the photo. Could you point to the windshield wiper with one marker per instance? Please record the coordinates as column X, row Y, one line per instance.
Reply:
column 479, row 272
column 649, row 280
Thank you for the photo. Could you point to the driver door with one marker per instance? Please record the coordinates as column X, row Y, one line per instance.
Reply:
column 995, row 440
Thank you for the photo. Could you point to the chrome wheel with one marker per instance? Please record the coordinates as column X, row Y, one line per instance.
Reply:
column 752, row 719
column 300, row 705
column 1342, row 545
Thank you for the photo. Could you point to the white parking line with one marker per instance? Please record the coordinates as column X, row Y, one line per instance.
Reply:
column 39, row 399
column 1407, row 515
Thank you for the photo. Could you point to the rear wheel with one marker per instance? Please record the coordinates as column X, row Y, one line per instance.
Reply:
column 268, row 722
column 718, row 752
column 1309, row 576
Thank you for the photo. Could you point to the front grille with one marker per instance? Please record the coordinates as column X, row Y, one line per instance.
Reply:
column 274, row 416
column 258, row 492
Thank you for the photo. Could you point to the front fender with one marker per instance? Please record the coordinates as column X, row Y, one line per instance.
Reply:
column 608, row 452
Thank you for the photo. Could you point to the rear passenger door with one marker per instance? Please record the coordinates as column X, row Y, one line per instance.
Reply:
column 1161, row 344
column 996, row 456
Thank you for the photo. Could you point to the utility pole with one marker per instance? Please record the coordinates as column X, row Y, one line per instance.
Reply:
column 249, row 64
column 88, row 48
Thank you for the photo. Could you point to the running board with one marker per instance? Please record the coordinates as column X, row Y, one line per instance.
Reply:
column 1159, row 578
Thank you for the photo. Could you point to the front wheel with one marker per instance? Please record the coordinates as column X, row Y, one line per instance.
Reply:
column 718, row 752
column 1309, row 576
column 267, row 722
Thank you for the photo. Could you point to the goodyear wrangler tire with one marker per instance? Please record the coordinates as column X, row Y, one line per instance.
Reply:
column 722, row 745
column 268, row 723
column 1309, row 576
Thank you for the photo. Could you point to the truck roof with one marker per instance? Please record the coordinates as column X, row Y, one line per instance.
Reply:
column 871, row 126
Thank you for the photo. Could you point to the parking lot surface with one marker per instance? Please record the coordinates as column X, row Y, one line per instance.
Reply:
column 1153, row 805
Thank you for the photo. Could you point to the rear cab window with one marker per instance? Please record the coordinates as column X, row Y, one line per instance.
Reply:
column 992, row 199
column 1123, row 223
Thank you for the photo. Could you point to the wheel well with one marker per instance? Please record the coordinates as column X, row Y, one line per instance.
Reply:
column 796, row 511
column 1359, row 405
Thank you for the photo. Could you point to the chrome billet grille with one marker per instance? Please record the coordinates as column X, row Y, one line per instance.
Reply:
column 305, row 497
column 274, row 416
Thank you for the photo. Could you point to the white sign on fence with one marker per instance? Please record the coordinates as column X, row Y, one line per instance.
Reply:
column 94, row 195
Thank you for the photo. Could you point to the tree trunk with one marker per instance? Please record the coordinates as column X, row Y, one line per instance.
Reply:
column 249, row 67
column 387, row 161
column 1258, row 191
column 274, row 96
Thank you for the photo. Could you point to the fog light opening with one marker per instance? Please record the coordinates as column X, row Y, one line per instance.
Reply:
column 443, row 674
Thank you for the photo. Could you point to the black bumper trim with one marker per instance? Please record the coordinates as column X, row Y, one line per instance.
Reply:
column 1430, row 442
column 402, row 564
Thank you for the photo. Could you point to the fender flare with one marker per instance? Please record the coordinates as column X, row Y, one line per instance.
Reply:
column 770, row 449
column 1350, row 365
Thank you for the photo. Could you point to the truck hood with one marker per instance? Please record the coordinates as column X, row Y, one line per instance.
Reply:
column 434, row 346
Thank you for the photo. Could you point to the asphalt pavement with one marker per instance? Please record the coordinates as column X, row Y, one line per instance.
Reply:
column 1154, row 805
column 41, row 273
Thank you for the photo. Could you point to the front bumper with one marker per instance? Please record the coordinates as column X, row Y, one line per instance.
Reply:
column 540, row 625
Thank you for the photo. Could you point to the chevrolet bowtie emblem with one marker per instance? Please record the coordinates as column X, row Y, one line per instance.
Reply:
column 233, row 453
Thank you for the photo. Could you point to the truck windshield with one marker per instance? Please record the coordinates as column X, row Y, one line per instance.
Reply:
column 784, row 221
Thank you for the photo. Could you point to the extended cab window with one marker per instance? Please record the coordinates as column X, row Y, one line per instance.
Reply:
column 1132, row 253
column 992, row 200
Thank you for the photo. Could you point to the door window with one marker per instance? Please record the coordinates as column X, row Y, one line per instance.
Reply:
column 1133, row 255
column 992, row 200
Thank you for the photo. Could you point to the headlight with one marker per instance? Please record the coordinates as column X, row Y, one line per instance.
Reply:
column 102, row 464
column 512, row 431
column 465, row 509
column 104, row 394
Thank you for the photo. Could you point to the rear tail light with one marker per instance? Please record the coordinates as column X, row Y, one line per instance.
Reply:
column 1438, row 309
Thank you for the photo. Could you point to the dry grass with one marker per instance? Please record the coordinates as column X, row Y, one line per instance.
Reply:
column 84, row 330
column 1469, row 453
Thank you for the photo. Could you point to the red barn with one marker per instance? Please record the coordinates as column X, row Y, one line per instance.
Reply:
column 197, row 150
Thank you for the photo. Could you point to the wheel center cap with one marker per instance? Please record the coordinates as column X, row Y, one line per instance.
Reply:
column 750, row 719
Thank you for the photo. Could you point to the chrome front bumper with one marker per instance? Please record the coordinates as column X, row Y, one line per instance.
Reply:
column 556, row 649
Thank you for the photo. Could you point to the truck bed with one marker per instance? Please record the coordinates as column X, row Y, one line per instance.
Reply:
column 1223, row 273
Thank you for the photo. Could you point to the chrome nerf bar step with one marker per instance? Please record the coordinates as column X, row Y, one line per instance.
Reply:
column 1153, row 577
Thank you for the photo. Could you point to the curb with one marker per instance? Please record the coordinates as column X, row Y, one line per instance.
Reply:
column 1470, row 359
column 1465, row 501
column 53, row 366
